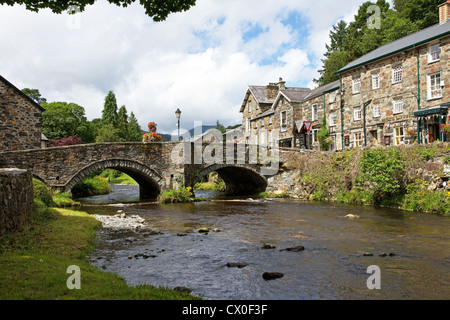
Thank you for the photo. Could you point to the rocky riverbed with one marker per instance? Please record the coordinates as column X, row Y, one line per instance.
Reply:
column 121, row 222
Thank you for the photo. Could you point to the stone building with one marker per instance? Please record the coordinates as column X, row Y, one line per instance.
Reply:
column 399, row 92
column 268, row 113
column 20, row 119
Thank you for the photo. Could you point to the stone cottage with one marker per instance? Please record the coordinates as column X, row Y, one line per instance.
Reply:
column 20, row 119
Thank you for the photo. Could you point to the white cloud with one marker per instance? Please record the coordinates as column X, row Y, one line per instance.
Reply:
column 197, row 60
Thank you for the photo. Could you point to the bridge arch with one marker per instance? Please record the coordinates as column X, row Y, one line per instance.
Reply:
column 150, row 182
column 240, row 180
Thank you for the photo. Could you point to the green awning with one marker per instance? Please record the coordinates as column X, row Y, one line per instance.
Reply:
column 442, row 110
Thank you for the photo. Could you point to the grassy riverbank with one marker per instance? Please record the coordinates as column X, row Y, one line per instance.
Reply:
column 33, row 264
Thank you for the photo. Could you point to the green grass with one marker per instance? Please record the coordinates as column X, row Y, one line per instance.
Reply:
column 91, row 187
column 118, row 177
column 33, row 265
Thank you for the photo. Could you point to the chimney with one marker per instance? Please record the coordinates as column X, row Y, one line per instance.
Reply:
column 444, row 12
column 282, row 84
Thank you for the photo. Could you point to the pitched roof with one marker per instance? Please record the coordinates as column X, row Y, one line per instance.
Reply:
column 408, row 42
column 295, row 94
column 323, row 89
column 22, row 94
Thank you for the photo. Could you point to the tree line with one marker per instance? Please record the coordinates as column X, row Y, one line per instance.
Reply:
column 65, row 123
column 350, row 41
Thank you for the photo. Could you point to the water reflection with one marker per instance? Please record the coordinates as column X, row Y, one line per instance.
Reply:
column 332, row 266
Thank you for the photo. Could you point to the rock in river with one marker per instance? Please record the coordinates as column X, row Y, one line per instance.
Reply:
column 294, row 249
column 236, row 265
column 272, row 275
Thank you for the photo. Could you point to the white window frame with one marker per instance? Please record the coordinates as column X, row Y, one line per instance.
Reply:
column 250, row 103
column 434, row 53
column 434, row 86
column 315, row 135
column 399, row 136
column 376, row 111
column 314, row 112
column 358, row 139
column 376, row 81
column 248, row 125
column 332, row 97
column 283, row 120
column 397, row 75
column 333, row 119
column 397, row 106
column 270, row 120
column 357, row 114
column 270, row 139
column 356, row 86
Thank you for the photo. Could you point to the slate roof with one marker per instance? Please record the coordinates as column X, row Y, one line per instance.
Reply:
column 408, row 42
column 22, row 94
column 321, row 90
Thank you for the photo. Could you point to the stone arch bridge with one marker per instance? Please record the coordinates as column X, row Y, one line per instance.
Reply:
column 156, row 167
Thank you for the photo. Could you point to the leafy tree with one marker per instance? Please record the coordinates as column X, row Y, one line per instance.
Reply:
column 220, row 127
column 35, row 95
column 422, row 13
column 122, row 123
column 159, row 10
column 62, row 120
column 134, row 129
column 108, row 133
column 109, row 113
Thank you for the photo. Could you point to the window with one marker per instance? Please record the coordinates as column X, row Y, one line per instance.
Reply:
column 375, row 81
column 376, row 111
column 435, row 51
column 333, row 119
column 263, row 122
column 315, row 134
column 398, row 106
column 399, row 136
column 283, row 120
column 271, row 142
column 356, row 86
column 358, row 139
column 270, row 120
column 397, row 75
column 262, row 139
column 434, row 86
column 248, row 125
column 314, row 112
column 357, row 114
column 333, row 97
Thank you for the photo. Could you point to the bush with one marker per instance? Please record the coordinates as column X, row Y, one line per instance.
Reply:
column 42, row 193
column 91, row 187
column 381, row 172
column 182, row 195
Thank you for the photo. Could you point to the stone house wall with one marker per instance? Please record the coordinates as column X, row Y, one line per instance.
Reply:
column 20, row 119
column 384, row 126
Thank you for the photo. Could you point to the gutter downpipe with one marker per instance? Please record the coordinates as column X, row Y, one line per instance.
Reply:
column 342, row 111
column 418, row 94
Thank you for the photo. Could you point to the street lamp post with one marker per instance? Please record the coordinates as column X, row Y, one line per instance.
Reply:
column 178, row 114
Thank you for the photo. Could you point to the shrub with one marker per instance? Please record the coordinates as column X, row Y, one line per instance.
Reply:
column 182, row 195
column 381, row 172
column 42, row 193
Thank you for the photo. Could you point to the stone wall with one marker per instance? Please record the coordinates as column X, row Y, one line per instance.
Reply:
column 20, row 119
column 303, row 172
column 16, row 200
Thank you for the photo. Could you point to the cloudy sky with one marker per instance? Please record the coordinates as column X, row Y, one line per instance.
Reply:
column 200, row 61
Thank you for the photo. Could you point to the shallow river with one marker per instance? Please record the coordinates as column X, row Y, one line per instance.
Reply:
column 411, row 250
